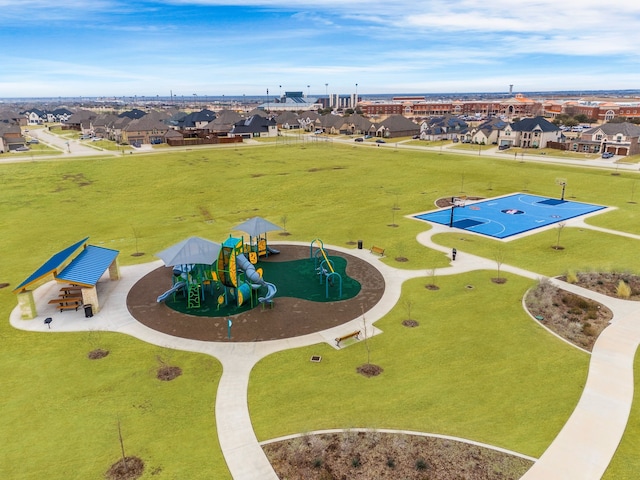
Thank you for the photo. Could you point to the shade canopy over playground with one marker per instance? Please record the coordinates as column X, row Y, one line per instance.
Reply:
column 193, row 250
column 256, row 226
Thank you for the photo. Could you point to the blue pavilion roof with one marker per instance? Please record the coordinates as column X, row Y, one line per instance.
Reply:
column 87, row 268
column 51, row 265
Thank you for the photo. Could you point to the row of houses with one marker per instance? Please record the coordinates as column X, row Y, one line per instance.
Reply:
column 537, row 132
column 136, row 127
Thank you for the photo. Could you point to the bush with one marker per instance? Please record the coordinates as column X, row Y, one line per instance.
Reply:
column 572, row 277
column 623, row 290
column 421, row 464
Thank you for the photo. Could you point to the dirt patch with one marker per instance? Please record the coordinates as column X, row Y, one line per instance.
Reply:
column 4, row 285
column 97, row 354
column 499, row 280
column 130, row 469
column 369, row 370
column 431, row 286
column 376, row 455
column 166, row 373
column 401, row 259
column 410, row 323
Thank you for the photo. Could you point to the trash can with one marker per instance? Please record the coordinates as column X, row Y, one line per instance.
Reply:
column 359, row 244
column 88, row 310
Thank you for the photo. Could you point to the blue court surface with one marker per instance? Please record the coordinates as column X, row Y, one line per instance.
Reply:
column 504, row 217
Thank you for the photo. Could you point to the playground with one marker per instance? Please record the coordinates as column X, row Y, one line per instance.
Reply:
column 300, row 308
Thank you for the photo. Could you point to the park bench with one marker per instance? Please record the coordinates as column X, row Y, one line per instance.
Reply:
column 378, row 250
column 347, row 336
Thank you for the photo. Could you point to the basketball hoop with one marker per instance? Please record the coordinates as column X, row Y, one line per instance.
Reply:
column 459, row 201
column 563, row 183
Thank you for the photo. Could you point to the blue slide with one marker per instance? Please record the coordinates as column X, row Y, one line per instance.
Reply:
column 175, row 288
column 254, row 277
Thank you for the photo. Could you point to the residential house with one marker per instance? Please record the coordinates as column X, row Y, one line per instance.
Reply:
column 287, row 120
column 307, row 120
column 332, row 124
column 59, row 115
column 487, row 133
column 447, row 127
column 76, row 121
column 116, row 129
column 616, row 138
column 396, row 126
column 223, row 123
column 530, row 133
column 359, row 125
column 101, row 125
column 254, row 126
column 196, row 120
column 145, row 130
column 10, row 137
column 35, row 116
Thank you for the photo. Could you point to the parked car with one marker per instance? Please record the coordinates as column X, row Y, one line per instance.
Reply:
column 22, row 149
column 34, row 141
column 359, row 139
column 380, row 141
column 504, row 147
column 607, row 155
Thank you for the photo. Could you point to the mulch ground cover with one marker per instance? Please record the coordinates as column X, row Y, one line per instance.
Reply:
column 289, row 317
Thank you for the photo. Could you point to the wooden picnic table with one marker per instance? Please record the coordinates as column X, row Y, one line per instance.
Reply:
column 71, row 289
column 67, row 299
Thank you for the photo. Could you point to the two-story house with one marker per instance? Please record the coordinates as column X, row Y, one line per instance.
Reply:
column 530, row 133
column 616, row 138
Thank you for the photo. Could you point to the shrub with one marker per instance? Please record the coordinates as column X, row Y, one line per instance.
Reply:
column 623, row 290
column 391, row 463
column 355, row 461
column 421, row 464
column 572, row 277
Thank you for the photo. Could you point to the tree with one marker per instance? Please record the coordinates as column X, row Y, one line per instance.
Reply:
column 498, row 256
column 559, row 228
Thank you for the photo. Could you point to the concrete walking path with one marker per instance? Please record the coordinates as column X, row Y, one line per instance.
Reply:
column 582, row 450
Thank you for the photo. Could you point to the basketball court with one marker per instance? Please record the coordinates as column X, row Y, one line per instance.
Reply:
column 504, row 217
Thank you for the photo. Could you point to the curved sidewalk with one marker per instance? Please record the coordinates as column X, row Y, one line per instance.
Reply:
column 589, row 439
column 582, row 450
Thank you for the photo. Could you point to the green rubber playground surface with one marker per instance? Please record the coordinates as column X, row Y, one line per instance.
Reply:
column 297, row 278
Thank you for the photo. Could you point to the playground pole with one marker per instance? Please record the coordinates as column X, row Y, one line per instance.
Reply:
column 229, row 323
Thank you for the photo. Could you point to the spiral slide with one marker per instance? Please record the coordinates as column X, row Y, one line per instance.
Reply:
column 254, row 277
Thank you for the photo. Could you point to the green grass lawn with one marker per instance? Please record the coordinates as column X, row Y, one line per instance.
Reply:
column 469, row 369
column 341, row 194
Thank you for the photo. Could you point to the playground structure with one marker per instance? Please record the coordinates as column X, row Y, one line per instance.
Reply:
column 324, row 269
column 239, row 276
column 201, row 267
column 257, row 229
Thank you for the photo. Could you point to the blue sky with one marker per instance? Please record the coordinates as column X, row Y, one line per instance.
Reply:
column 76, row 48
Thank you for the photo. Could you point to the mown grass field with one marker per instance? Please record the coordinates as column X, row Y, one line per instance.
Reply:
column 476, row 366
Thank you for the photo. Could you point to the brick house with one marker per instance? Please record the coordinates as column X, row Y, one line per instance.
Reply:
column 616, row 138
